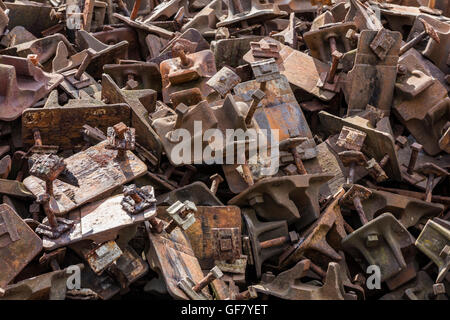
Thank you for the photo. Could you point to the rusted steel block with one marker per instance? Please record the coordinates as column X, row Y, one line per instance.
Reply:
column 324, row 41
column 44, row 48
column 434, row 241
column 33, row 16
column 22, row 85
column 287, row 284
column 425, row 116
column 98, row 256
column 207, row 230
column 322, row 240
column 223, row 81
column 351, row 138
column 193, row 70
column 225, row 114
column 18, row 244
column 300, row 69
column 436, row 52
column 54, row 119
column 278, row 108
column 409, row 211
column 380, row 242
column 372, row 81
column 142, row 104
column 294, row 198
column 377, row 143
column 146, row 74
column 104, row 54
column 171, row 255
column 261, row 239
column 249, row 11
column 117, row 35
column 206, row 19
column 47, row 286
column 99, row 221
column 406, row 158
column 97, row 173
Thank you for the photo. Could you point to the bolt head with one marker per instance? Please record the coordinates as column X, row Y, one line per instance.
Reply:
column 416, row 146
column 372, row 240
column 217, row 177
column 438, row 288
column 401, row 141
column 256, row 199
column 217, row 273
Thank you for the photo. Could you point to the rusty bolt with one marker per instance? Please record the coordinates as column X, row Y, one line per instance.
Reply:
column 85, row 63
column 336, row 56
column 180, row 110
column 212, row 275
column 438, row 288
column 415, row 149
column 216, row 180
column 431, row 171
column 257, row 96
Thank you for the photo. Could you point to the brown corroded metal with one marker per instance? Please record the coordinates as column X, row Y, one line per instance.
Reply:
column 287, row 285
column 172, row 256
column 53, row 119
column 18, row 244
column 294, row 198
column 202, row 235
column 21, row 85
column 99, row 221
column 97, row 173
column 322, row 240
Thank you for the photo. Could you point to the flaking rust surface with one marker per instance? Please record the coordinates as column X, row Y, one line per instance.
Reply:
column 173, row 256
column 98, row 221
column 62, row 126
column 200, row 234
column 97, row 171
column 18, row 244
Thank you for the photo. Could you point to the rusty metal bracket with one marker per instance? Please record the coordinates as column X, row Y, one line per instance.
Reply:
column 22, row 85
column 259, row 235
column 186, row 71
column 294, row 198
column 322, row 240
column 249, row 11
column 18, row 244
column 171, row 255
column 146, row 74
column 372, row 81
column 376, row 145
column 52, row 286
column 325, row 41
column 409, row 211
column 434, row 241
column 104, row 54
column 300, row 69
column 287, row 285
column 380, row 242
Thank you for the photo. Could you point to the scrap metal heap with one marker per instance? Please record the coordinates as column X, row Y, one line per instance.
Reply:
column 98, row 98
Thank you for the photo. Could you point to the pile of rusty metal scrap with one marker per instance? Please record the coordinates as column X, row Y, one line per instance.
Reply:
column 116, row 179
